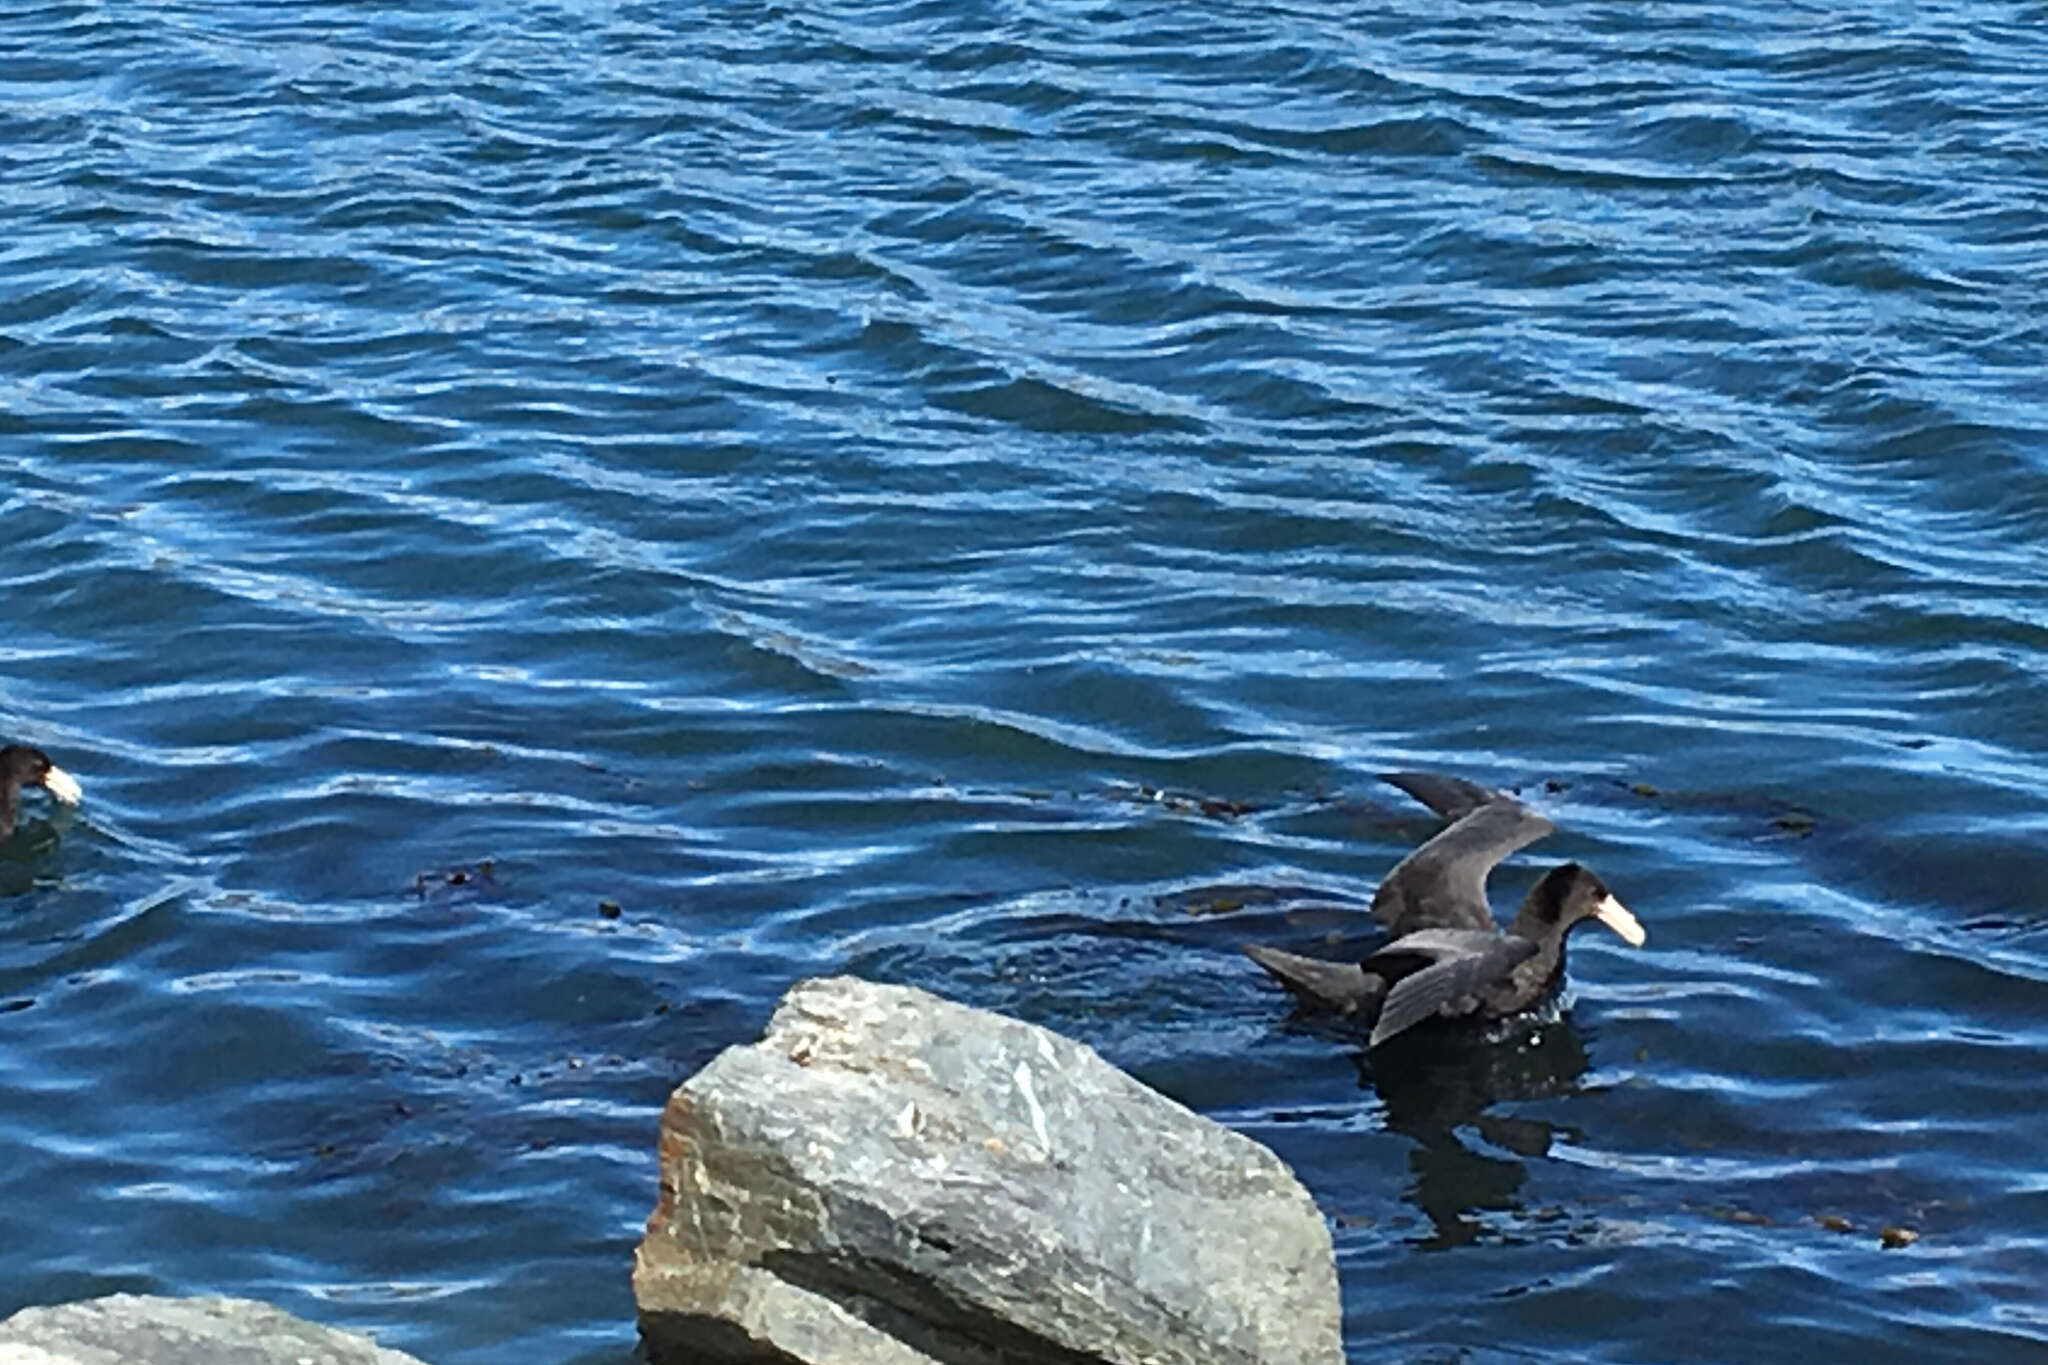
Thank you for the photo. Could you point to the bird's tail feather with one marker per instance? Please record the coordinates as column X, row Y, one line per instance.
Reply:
column 1342, row 987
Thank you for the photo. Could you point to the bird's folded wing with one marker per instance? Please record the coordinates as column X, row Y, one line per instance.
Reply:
column 1460, row 963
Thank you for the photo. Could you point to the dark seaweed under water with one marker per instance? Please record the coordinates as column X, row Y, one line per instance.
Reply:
column 971, row 494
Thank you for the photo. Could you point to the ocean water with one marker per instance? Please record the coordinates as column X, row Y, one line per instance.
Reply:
column 539, row 525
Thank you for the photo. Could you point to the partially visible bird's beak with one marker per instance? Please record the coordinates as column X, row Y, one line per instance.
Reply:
column 1616, row 916
column 63, row 786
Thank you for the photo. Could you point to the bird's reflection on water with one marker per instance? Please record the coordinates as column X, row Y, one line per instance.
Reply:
column 1437, row 1082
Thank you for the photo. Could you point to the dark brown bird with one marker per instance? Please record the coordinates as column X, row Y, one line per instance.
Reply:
column 1445, row 956
column 21, row 766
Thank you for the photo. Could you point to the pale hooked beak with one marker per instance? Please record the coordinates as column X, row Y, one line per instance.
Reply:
column 63, row 786
column 1615, row 916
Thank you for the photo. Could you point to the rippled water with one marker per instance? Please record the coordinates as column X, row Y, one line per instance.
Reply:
column 971, row 495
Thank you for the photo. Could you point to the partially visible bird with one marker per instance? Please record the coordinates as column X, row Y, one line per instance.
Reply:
column 1445, row 956
column 22, row 766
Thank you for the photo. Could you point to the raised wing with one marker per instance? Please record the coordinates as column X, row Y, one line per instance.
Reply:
column 1442, row 885
column 1450, row 797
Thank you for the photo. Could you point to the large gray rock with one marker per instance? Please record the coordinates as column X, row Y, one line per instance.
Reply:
column 889, row 1178
column 137, row 1329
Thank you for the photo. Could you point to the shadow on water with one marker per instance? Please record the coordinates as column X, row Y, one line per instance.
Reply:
column 22, row 854
column 1435, row 1084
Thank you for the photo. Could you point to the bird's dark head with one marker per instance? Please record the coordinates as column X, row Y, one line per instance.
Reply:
column 1570, row 893
column 22, row 766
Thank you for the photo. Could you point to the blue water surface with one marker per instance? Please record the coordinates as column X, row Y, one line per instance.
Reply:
column 971, row 494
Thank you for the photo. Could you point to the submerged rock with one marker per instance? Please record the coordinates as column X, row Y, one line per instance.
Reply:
column 890, row 1177
column 138, row 1329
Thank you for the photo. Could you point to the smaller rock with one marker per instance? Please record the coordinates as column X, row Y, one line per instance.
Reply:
column 141, row 1329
